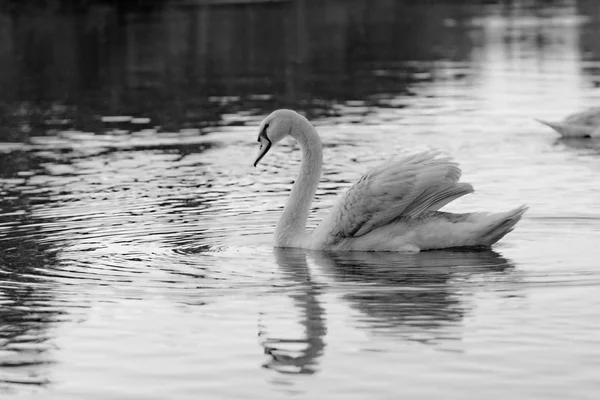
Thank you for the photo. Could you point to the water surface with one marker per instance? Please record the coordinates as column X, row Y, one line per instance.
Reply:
column 136, row 260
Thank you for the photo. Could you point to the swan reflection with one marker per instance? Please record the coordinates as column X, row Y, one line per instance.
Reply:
column 301, row 355
column 415, row 296
column 419, row 297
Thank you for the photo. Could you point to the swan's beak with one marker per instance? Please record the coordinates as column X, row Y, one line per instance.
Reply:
column 265, row 145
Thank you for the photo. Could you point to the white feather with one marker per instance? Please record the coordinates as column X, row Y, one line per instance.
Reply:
column 579, row 125
column 404, row 187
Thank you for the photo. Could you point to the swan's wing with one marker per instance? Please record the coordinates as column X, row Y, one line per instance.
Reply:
column 404, row 187
column 589, row 117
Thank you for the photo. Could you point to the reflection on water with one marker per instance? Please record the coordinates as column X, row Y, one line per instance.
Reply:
column 26, row 298
column 300, row 356
column 135, row 253
column 590, row 146
column 416, row 296
column 25, row 317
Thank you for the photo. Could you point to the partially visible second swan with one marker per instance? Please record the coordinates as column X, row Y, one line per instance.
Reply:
column 393, row 207
column 585, row 124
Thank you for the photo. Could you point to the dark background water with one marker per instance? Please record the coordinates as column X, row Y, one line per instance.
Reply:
column 181, row 63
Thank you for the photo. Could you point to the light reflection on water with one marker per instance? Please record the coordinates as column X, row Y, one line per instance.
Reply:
column 139, row 265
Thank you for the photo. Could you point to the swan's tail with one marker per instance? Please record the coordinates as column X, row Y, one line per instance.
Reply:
column 568, row 130
column 499, row 224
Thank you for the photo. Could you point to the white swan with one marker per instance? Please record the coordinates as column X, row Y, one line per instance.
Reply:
column 391, row 208
column 585, row 124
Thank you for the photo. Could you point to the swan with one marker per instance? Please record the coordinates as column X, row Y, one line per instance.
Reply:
column 393, row 207
column 585, row 124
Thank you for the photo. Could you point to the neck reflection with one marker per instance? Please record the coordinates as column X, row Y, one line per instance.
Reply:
column 298, row 355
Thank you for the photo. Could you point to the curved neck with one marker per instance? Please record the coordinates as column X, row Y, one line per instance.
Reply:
column 291, row 228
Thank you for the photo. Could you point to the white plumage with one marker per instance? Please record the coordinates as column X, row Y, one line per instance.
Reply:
column 393, row 207
column 585, row 124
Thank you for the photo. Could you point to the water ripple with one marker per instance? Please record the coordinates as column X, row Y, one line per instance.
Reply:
column 139, row 263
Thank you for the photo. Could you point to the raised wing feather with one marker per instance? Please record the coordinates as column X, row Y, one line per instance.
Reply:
column 589, row 117
column 404, row 187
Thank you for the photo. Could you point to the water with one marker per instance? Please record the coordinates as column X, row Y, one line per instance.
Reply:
column 136, row 263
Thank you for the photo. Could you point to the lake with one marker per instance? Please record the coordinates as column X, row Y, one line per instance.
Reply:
column 135, row 235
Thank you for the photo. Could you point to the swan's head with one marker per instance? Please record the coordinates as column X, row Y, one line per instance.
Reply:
column 274, row 128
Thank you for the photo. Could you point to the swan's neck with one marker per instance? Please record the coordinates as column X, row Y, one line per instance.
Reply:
column 291, row 229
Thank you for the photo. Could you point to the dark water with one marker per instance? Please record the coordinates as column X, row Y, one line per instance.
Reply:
column 135, row 256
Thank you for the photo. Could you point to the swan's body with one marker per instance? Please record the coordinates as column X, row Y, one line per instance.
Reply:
column 585, row 124
column 391, row 208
